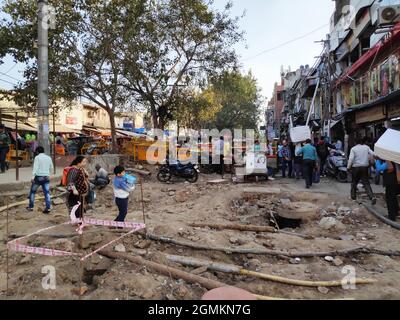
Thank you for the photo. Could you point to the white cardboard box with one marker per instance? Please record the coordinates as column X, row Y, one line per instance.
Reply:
column 256, row 163
column 300, row 134
column 388, row 146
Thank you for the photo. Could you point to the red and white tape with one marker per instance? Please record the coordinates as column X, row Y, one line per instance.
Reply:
column 40, row 251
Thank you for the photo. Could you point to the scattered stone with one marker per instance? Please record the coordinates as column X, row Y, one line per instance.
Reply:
column 344, row 210
column 26, row 260
column 142, row 244
column 80, row 291
column 254, row 264
column 323, row 290
column 146, row 200
column 170, row 211
column 58, row 201
column 295, row 261
column 346, row 237
column 329, row 223
column 200, row 270
column 120, row 248
column 171, row 193
column 182, row 292
column 140, row 252
column 285, row 201
column 190, row 205
column 338, row 262
column 329, row 259
column 237, row 241
column 331, row 209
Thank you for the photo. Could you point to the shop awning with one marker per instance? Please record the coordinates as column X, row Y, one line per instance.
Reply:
column 10, row 124
column 371, row 54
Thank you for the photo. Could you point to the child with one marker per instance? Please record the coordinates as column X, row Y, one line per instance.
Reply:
column 124, row 184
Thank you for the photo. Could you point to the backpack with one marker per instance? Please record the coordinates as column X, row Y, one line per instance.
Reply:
column 64, row 179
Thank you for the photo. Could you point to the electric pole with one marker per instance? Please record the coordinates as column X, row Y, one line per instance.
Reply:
column 43, row 76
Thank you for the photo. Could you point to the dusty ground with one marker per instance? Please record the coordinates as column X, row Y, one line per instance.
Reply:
column 169, row 208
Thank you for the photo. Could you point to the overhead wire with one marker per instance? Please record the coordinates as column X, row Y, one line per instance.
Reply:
column 285, row 43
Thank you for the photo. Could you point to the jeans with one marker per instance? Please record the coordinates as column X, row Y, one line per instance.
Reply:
column 361, row 174
column 285, row 164
column 322, row 166
column 122, row 205
column 3, row 155
column 44, row 182
column 391, row 200
column 308, row 170
column 100, row 182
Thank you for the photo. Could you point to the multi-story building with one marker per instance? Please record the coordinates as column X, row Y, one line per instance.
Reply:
column 365, row 55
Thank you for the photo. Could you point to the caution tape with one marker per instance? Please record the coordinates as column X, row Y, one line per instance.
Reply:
column 40, row 251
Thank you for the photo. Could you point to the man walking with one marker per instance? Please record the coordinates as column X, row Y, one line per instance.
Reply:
column 42, row 168
column 309, row 161
column 359, row 163
column 5, row 142
column 286, row 159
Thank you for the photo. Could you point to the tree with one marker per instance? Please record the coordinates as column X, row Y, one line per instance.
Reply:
column 240, row 99
column 84, row 59
column 231, row 101
column 181, row 42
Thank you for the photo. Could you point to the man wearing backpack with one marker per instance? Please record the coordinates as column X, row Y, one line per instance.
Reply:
column 42, row 168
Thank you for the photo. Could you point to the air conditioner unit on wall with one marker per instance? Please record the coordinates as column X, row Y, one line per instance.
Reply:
column 388, row 15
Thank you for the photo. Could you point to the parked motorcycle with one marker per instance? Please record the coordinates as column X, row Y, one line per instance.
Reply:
column 189, row 172
column 336, row 166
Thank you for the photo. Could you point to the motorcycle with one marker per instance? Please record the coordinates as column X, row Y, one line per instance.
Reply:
column 189, row 172
column 336, row 166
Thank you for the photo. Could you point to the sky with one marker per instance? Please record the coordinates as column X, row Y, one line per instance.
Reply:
column 270, row 23
column 267, row 24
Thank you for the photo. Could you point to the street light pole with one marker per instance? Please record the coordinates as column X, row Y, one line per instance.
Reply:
column 43, row 77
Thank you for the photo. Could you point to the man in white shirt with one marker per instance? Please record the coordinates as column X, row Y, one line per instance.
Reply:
column 42, row 168
column 101, row 179
column 359, row 163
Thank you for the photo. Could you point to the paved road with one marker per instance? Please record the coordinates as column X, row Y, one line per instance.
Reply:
column 8, row 180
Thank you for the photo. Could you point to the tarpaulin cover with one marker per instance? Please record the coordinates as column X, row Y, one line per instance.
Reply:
column 388, row 146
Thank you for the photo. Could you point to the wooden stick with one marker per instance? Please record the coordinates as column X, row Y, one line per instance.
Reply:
column 175, row 273
column 227, row 268
column 234, row 227
column 343, row 252
column 258, row 229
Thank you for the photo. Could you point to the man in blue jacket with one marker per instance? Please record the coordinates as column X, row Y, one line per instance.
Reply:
column 123, row 186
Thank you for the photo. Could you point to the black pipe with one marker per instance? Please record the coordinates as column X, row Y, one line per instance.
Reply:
column 382, row 218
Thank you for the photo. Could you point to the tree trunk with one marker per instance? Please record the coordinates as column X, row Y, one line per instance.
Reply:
column 114, row 148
